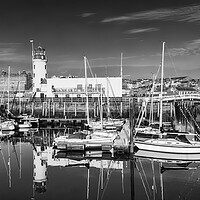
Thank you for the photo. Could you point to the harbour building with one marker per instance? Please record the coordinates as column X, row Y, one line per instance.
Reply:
column 15, row 83
column 70, row 87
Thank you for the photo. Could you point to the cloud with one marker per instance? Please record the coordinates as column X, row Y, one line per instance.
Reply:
column 188, row 49
column 87, row 14
column 133, row 31
column 187, row 14
column 8, row 53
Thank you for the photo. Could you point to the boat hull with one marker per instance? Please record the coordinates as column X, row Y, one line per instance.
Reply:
column 168, row 156
column 166, row 147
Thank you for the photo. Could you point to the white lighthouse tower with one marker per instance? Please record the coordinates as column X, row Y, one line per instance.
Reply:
column 40, row 169
column 39, row 65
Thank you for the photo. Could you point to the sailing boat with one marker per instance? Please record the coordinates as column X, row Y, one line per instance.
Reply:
column 173, row 143
column 97, row 127
column 7, row 124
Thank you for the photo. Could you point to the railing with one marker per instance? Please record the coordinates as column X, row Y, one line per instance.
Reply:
column 76, row 91
column 178, row 97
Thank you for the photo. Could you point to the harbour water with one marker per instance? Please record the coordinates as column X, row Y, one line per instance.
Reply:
column 31, row 169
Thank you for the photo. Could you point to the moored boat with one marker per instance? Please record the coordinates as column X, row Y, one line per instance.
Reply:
column 172, row 142
column 7, row 125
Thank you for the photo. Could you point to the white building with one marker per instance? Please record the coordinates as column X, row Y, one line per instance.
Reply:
column 67, row 86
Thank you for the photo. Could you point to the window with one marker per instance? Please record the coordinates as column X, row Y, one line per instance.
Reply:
column 90, row 86
column 98, row 87
column 79, row 87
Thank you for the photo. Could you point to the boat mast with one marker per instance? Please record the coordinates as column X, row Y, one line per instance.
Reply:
column 161, row 85
column 107, row 95
column 101, row 107
column 121, row 72
column 88, row 182
column 8, row 88
column 20, row 110
column 9, row 164
column 152, row 94
column 161, row 182
column 86, row 89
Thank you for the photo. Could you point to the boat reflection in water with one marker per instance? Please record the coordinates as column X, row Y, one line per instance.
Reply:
column 89, row 174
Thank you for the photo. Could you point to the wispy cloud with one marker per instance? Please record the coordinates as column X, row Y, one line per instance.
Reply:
column 189, row 48
column 187, row 14
column 87, row 14
column 134, row 31
column 9, row 53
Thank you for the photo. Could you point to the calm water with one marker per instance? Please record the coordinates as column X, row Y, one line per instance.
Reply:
column 31, row 169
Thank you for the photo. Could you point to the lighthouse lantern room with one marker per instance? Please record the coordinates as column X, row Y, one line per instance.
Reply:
column 39, row 62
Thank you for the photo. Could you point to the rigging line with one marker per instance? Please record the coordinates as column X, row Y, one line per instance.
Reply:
column 171, row 61
column 108, row 171
column 192, row 117
column 161, row 182
column 189, row 114
column 89, row 68
column 142, row 112
column 106, row 184
column 4, row 161
column 20, row 152
column 154, row 179
column 100, row 96
column 113, row 95
column 149, row 95
column 158, row 71
column 16, row 156
column 9, row 164
column 185, row 190
column 145, row 177
column 142, row 181
column 185, row 117
column 108, row 177
column 183, row 113
column 152, row 93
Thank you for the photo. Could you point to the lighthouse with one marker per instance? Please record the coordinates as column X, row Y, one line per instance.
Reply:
column 39, row 65
column 40, row 169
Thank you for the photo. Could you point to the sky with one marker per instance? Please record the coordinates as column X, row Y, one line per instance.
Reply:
column 104, row 31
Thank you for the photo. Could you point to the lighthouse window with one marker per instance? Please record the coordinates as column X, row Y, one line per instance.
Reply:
column 34, row 66
column 42, row 162
column 45, row 66
column 34, row 75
